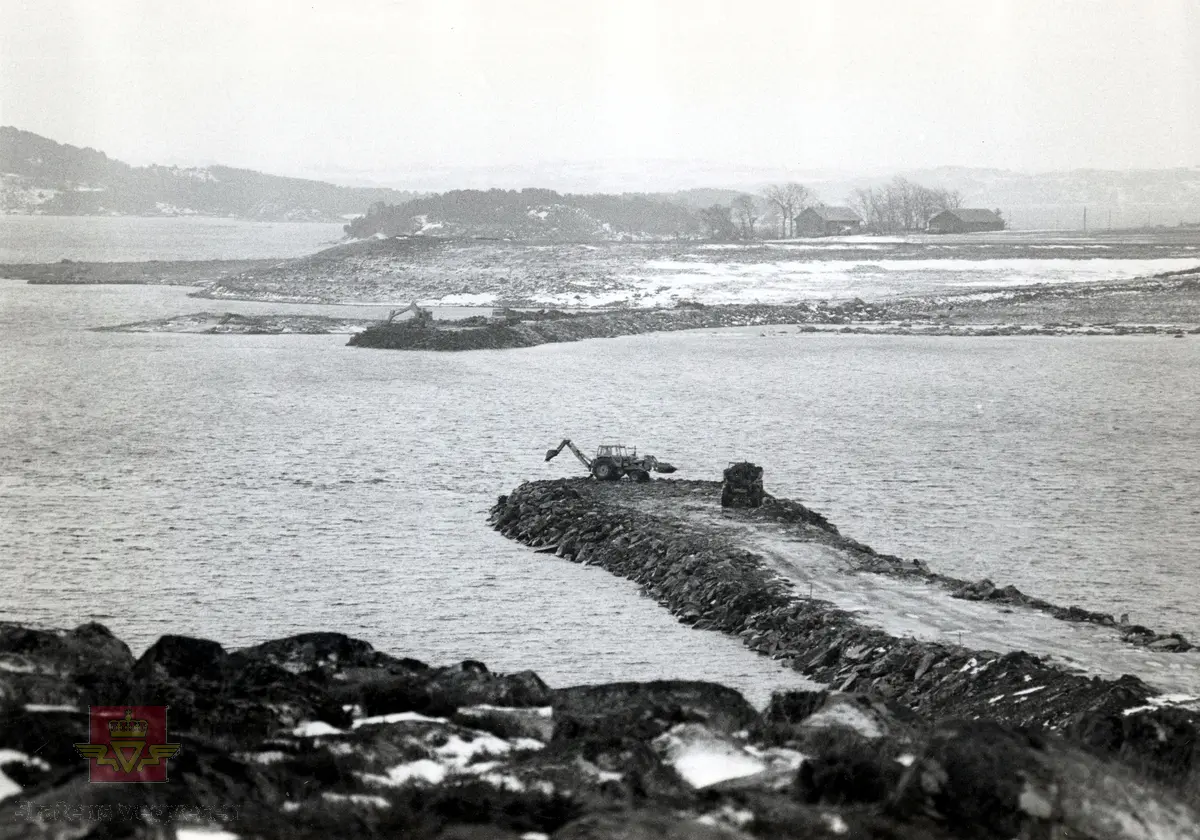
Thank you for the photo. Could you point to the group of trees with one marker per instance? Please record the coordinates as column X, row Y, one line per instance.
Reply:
column 901, row 205
column 775, row 209
column 897, row 206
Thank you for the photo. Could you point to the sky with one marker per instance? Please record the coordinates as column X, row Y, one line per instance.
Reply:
column 368, row 90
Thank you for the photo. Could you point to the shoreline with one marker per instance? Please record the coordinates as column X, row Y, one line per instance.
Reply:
column 1166, row 304
column 320, row 734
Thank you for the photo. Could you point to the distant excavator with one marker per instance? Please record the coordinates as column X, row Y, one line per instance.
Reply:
column 613, row 461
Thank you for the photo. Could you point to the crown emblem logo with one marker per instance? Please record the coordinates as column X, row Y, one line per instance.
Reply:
column 129, row 727
column 127, row 744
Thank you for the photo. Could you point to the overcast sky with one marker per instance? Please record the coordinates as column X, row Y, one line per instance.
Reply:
column 383, row 88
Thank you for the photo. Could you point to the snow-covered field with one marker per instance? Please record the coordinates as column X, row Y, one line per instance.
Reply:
column 452, row 272
column 661, row 282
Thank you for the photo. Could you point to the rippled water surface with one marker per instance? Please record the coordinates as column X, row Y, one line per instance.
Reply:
column 131, row 238
column 246, row 487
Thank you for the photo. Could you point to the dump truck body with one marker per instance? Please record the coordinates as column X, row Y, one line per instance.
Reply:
column 743, row 485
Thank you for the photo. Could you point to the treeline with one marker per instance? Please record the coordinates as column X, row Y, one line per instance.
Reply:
column 545, row 214
column 530, row 213
column 898, row 206
column 901, row 205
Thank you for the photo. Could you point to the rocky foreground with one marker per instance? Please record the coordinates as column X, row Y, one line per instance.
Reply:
column 320, row 735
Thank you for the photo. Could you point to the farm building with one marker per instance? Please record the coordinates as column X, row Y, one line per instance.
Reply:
column 965, row 221
column 827, row 221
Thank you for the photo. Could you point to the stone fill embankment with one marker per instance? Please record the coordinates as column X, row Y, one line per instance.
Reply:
column 709, row 582
column 529, row 330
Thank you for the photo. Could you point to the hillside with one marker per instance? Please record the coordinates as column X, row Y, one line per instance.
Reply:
column 40, row 176
column 531, row 214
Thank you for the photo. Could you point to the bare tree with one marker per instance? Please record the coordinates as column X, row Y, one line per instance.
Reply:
column 745, row 210
column 790, row 198
column 718, row 221
column 901, row 205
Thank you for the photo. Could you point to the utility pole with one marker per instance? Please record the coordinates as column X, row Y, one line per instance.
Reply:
column 1085, row 220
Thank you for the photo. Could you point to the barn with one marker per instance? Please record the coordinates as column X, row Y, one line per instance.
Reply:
column 967, row 220
column 827, row 221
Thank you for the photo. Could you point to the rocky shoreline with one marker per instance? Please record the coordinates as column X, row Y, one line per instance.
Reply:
column 545, row 327
column 232, row 323
column 1164, row 306
column 713, row 584
column 320, row 735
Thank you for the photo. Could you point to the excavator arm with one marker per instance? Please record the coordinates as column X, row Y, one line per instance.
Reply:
column 583, row 459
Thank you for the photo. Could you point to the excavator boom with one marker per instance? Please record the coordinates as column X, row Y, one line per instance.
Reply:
column 583, row 459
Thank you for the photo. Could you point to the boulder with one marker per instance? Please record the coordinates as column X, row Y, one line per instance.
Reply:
column 646, row 710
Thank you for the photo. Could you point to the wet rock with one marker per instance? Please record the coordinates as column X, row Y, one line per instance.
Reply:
column 978, row 591
column 268, row 750
column 61, row 667
column 441, row 691
column 321, row 651
column 183, row 657
column 1163, row 743
column 980, row 776
column 985, row 780
column 853, row 772
column 645, row 710
column 536, row 722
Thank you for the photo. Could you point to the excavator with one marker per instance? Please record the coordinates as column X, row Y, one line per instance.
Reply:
column 613, row 461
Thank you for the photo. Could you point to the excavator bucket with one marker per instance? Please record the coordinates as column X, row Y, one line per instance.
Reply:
column 665, row 467
column 550, row 453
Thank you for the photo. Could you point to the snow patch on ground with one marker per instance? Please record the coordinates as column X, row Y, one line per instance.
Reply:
column 396, row 717
column 193, row 833
column 847, row 716
column 315, row 729
column 1185, row 701
column 37, row 708
column 7, row 786
column 703, row 759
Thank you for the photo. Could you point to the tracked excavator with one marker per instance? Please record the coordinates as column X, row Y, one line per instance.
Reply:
column 612, row 461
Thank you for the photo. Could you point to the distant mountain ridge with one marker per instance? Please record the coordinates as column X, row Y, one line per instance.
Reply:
column 38, row 175
column 41, row 176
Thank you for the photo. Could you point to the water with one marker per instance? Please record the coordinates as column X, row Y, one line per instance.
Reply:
column 41, row 239
column 248, row 487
